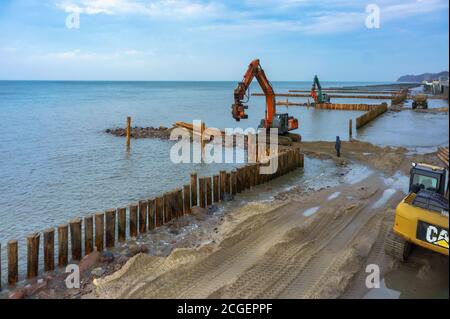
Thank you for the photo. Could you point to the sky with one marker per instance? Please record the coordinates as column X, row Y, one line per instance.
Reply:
column 215, row 40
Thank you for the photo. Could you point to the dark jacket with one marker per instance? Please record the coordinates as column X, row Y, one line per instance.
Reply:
column 337, row 146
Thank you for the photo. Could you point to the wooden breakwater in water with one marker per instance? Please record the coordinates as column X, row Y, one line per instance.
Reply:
column 370, row 115
column 347, row 107
column 373, row 97
column 102, row 231
column 347, row 91
column 334, row 106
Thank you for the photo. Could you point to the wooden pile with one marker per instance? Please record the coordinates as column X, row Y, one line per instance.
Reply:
column 443, row 155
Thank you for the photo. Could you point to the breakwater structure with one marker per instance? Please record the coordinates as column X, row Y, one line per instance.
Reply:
column 372, row 111
column 55, row 247
column 371, row 115
column 373, row 97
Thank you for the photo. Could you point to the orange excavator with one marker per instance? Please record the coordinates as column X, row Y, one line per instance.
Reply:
column 283, row 122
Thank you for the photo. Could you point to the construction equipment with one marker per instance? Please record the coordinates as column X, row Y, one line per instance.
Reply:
column 282, row 121
column 319, row 96
column 420, row 101
column 399, row 97
column 421, row 218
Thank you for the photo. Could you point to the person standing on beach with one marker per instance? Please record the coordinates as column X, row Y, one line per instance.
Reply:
column 337, row 146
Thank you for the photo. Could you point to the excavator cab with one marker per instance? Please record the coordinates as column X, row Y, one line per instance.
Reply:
column 427, row 177
column 283, row 122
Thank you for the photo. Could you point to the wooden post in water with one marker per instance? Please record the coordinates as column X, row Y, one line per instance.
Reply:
column 33, row 255
column 49, row 249
column 110, row 228
column 194, row 195
column 228, row 184
column 122, row 224
column 208, row 186
column 243, row 177
column 247, row 176
column 99, row 231
column 133, row 220
column 202, row 192
column 216, row 187
column 223, row 177
column 63, row 245
column 151, row 214
column 203, row 141
column 253, row 175
column 128, row 131
column 350, row 128
column 142, row 216
column 159, row 211
column 233, row 182
column 75, row 238
column 13, row 265
column 187, row 199
column 167, row 207
column 174, row 202
column 238, row 180
column 88, row 235
column 180, row 203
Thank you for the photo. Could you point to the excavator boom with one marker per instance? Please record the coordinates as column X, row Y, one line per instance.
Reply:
column 238, row 108
column 254, row 71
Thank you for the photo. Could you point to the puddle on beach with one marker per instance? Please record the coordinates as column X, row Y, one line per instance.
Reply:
column 387, row 194
column 425, row 275
column 311, row 211
column 334, row 196
column 398, row 181
column 357, row 174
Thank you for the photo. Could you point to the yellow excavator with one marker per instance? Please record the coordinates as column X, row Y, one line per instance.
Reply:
column 421, row 218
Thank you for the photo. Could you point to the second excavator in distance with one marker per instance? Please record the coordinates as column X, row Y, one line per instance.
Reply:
column 317, row 94
column 282, row 121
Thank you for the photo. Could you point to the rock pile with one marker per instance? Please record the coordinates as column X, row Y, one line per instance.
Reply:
column 142, row 132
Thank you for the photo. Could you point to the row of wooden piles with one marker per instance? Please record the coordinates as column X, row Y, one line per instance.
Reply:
column 339, row 96
column 104, row 230
column 371, row 115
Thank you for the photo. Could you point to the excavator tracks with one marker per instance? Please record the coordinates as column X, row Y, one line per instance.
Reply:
column 397, row 247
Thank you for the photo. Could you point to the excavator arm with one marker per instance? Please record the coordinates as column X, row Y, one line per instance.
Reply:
column 238, row 109
column 316, row 85
column 316, row 92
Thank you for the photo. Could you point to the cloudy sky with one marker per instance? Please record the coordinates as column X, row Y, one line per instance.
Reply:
column 216, row 39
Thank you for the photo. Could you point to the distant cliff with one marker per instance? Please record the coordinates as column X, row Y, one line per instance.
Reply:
column 422, row 77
